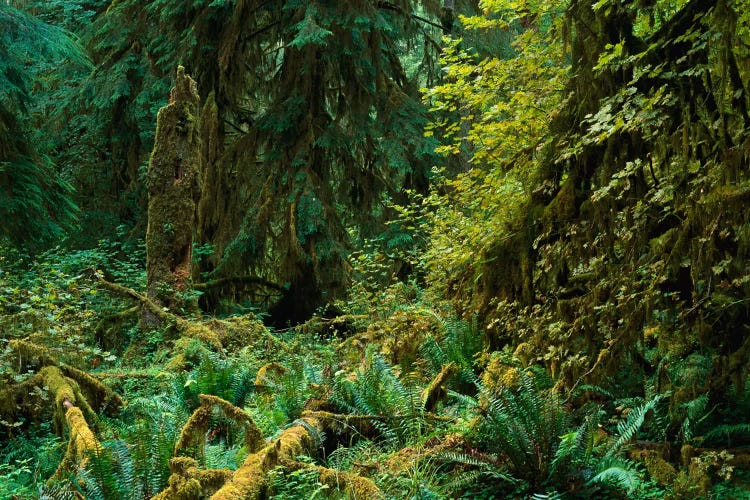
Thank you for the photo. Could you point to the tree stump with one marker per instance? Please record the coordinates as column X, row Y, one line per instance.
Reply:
column 173, row 193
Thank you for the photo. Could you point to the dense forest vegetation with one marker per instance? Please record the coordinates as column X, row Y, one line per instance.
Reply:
column 374, row 249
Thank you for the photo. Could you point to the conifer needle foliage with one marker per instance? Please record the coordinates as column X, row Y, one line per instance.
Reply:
column 35, row 200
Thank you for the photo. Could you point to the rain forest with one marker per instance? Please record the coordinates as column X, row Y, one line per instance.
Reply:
column 374, row 249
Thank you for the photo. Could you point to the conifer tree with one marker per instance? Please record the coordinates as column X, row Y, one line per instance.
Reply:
column 35, row 201
column 312, row 126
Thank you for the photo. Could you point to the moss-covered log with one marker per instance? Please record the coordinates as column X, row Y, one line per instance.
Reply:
column 249, row 481
column 193, row 435
column 436, row 391
column 72, row 409
column 189, row 482
column 173, row 192
column 351, row 485
column 87, row 391
column 236, row 332
column 81, row 444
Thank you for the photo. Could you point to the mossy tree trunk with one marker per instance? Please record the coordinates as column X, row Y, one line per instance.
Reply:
column 173, row 193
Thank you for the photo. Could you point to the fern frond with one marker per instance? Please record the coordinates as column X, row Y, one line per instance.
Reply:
column 486, row 466
column 627, row 428
column 622, row 477
column 724, row 431
column 463, row 399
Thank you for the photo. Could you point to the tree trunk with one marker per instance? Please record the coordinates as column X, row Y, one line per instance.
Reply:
column 173, row 193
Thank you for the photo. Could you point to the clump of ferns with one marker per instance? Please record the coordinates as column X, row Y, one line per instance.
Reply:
column 152, row 428
column 112, row 474
column 523, row 440
column 227, row 378
column 460, row 343
column 376, row 390
column 282, row 397
column 109, row 474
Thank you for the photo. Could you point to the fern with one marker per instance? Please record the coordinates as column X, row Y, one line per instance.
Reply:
column 576, row 448
column 110, row 474
column 525, row 425
column 343, row 458
column 376, row 390
column 620, row 473
column 460, row 344
column 484, row 470
column 725, row 431
column 626, row 429
column 158, row 422
column 695, row 413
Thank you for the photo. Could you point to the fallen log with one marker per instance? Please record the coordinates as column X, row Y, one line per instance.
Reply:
column 81, row 444
column 187, row 481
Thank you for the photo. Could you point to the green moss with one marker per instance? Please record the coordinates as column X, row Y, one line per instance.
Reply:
column 81, row 444
column 659, row 469
column 174, row 189
column 437, row 390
